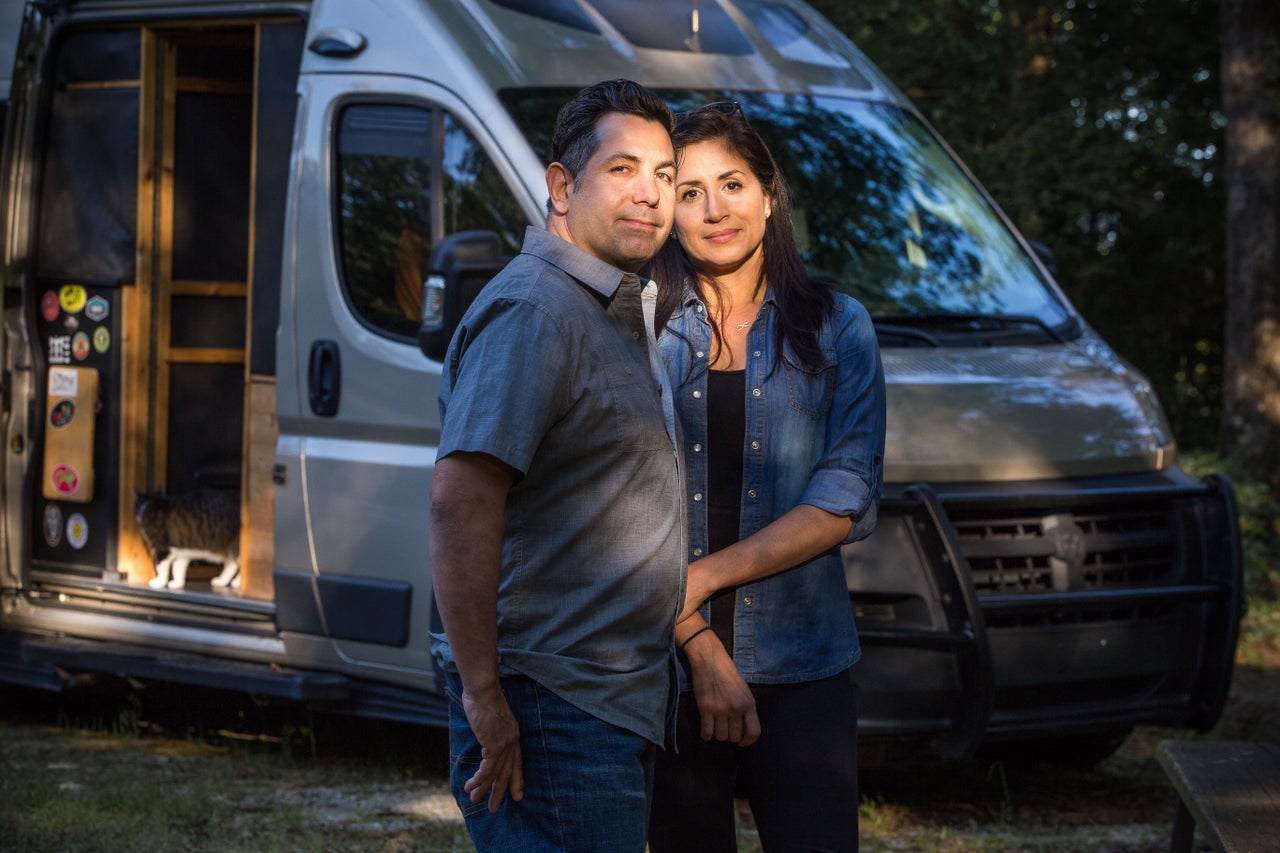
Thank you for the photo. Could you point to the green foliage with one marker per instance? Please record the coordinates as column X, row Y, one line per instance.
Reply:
column 1259, row 509
column 1098, row 128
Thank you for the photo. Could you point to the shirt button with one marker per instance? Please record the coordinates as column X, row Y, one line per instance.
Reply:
column 751, row 493
column 697, row 395
column 747, row 601
column 755, row 392
column 697, row 552
column 635, row 335
column 700, row 354
column 756, row 353
column 755, row 445
column 697, row 496
column 697, row 448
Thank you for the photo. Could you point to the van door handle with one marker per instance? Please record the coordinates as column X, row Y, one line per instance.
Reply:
column 324, row 378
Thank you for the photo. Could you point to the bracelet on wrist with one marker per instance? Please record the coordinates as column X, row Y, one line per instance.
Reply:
column 689, row 639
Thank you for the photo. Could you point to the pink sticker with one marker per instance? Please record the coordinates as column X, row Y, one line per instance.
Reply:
column 65, row 479
column 50, row 307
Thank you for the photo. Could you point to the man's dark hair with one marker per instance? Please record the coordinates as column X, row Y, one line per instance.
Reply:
column 575, row 139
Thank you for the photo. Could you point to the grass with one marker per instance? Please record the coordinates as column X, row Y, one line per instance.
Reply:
column 193, row 772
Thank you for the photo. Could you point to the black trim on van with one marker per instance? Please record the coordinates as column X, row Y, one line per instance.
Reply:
column 343, row 608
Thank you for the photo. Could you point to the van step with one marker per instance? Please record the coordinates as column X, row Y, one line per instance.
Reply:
column 258, row 679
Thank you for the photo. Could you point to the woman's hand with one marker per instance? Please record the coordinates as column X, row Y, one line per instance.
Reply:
column 725, row 703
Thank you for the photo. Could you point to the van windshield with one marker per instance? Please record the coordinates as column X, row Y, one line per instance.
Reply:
column 883, row 211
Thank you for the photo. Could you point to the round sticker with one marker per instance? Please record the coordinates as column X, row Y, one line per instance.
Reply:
column 49, row 307
column 101, row 340
column 65, row 479
column 53, row 525
column 62, row 413
column 72, row 297
column 77, row 531
column 80, row 346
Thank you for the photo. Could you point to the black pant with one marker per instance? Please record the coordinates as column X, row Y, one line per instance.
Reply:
column 800, row 777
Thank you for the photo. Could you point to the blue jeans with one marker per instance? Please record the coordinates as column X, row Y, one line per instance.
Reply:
column 587, row 784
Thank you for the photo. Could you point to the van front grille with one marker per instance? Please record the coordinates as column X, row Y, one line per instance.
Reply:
column 1108, row 547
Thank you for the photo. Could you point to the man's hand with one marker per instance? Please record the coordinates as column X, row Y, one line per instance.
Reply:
column 501, row 771
column 725, row 703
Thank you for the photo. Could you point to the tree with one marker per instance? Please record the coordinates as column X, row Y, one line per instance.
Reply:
column 1251, row 88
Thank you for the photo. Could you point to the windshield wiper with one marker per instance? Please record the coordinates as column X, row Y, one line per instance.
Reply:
column 964, row 322
column 884, row 328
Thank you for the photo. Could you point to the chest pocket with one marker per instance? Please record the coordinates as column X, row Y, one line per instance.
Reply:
column 636, row 408
column 809, row 391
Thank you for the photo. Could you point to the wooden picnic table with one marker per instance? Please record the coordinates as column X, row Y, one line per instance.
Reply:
column 1228, row 790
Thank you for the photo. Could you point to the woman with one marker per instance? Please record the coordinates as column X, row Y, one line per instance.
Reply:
column 781, row 393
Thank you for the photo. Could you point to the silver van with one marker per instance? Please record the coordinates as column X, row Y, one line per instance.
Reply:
column 238, row 232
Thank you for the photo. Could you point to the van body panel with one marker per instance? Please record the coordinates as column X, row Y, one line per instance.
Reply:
column 1016, row 413
column 1041, row 567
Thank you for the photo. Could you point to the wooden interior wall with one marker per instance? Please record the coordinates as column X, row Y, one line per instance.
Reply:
column 133, row 560
column 148, row 352
column 257, row 528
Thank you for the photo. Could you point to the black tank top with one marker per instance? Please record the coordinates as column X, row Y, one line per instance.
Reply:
column 726, row 427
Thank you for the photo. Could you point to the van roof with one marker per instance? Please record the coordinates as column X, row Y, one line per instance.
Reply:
column 773, row 45
column 765, row 45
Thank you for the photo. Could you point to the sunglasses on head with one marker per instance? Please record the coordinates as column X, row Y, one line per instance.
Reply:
column 726, row 108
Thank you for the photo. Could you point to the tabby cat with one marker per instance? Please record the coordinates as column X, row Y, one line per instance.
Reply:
column 203, row 524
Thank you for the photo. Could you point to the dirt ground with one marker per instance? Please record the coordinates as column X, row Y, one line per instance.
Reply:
column 340, row 784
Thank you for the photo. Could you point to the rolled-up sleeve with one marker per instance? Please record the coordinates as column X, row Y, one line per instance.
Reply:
column 848, row 478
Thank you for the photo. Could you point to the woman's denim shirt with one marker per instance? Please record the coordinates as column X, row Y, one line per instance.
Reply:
column 812, row 437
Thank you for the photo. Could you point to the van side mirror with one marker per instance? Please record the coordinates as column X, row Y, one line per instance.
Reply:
column 459, row 266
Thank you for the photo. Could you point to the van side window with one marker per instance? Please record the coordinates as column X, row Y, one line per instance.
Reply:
column 89, row 198
column 408, row 177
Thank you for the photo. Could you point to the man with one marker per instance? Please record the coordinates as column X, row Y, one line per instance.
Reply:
column 557, row 518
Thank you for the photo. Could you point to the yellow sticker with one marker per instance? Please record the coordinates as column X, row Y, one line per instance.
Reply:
column 72, row 297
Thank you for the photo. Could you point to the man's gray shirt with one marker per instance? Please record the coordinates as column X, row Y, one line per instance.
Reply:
column 546, row 374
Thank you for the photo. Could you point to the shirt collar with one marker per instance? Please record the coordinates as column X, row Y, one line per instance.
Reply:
column 596, row 274
column 691, row 298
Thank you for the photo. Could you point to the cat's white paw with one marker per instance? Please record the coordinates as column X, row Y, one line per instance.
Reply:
column 158, row 582
column 230, row 576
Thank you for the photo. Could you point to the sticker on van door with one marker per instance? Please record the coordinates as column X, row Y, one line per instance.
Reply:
column 65, row 479
column 97, row 309
column 77, row 531
column 80, row 346
column 50, row 307
column 53, row 525
column 72, row 297
column 62, row 413
column 59, row 349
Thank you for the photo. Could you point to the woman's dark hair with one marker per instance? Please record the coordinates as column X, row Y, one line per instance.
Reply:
column 803, row 301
